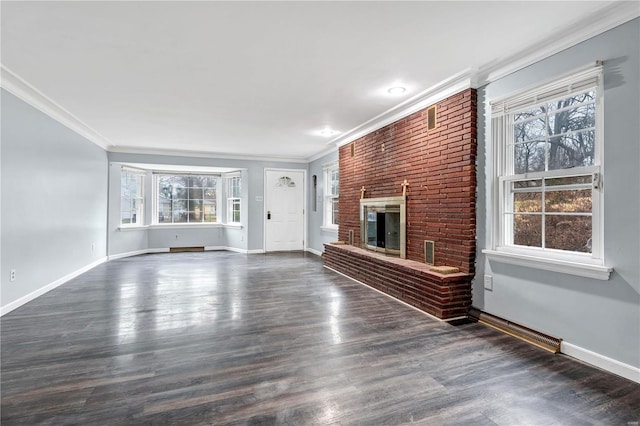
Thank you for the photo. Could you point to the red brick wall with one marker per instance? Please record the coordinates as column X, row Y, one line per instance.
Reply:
column 440, row 167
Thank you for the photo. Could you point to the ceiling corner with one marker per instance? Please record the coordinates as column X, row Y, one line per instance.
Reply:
column 20, row 88
column 616, row 13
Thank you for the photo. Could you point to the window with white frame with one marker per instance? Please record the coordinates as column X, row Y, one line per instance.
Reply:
column 186, row 198
column 331, row 194
column 131, row 197
column 548, row 152
column 233, row 198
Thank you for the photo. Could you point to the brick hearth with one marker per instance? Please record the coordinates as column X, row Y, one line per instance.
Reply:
column 444, row 296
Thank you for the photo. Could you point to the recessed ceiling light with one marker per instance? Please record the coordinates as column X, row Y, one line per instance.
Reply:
column 397, row 90
column 327, row 132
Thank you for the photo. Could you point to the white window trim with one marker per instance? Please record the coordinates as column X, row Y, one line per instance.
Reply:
column 154, row 195
column 330, row 228
column 233, row 225
column 590, row 265
column 327, row 211
column 555, row 265
column 139, row 224
column 228, row 212
column 132, row 228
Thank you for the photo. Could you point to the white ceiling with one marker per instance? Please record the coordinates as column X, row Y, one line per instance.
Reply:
column 257, row 79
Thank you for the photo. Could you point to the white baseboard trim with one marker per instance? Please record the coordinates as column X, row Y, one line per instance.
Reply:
column 42, row 290
column 233, row 249
column 314, row 251
column 167, row 250
column 139, row 252
column 215, row 248
column 127, row 254
column 611, row 365
column 158, row 250
column 256, row 251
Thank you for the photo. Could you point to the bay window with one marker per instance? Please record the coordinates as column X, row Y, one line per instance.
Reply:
column 233, row 198
column 131, row 197
column 186, row 198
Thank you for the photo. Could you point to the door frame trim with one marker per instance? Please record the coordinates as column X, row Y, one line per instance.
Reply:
column 304, row 205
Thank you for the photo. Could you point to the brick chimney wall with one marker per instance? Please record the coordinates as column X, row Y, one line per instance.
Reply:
column 440, row 167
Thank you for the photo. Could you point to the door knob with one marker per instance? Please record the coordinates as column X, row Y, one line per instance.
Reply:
column 268, row 214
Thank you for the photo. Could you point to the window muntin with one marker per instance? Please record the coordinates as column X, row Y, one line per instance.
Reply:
column 548, row 169
column 551, row 213
column 331, row 195
column 233, row 199
column 131, row 197
column 555, row 135
column 185, row 198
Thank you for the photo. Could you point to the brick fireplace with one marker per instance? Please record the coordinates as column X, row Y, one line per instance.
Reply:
column 433, row 162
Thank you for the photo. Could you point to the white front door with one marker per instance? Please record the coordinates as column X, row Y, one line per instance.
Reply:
column 284, row 210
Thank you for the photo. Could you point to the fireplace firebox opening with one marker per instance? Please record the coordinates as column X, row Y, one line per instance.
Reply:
column 383, row 225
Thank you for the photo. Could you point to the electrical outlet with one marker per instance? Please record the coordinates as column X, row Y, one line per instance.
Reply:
column 12, row 275
column 488, row 282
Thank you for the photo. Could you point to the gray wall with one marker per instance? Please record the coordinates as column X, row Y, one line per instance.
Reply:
column 601, row 316
column 54, row 200
column 250, row 237
column 317, row 235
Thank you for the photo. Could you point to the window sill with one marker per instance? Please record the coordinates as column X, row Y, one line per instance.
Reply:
column 329, row 228
column 133, row 228
column 186, row 225
column 586, row 270
column 194, row 225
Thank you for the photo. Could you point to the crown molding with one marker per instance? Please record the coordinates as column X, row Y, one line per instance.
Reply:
column 444, row 89
column 322, row 153
column 17, row 86
column 202, row 154
column 607, row 18
column 611, row 16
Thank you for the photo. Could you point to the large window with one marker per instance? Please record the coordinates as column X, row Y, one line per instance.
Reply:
column 131, row 197
column 547, row 143
column 331, row 194
column 233, row 199
column 186, row 198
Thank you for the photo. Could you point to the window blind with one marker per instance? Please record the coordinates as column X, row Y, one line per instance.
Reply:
column 578, row 81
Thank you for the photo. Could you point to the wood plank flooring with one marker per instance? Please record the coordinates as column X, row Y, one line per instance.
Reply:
column 227, row 338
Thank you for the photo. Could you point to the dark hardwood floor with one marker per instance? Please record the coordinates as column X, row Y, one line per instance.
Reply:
column 226, row 338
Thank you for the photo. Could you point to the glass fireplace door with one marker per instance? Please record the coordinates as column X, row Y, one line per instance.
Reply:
column 382, row 225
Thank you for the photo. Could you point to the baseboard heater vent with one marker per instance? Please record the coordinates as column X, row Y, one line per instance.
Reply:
column 185, row 249
column 541, row 340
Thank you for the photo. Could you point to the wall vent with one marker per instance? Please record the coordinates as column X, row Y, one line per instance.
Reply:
column 432, row 121
column 541, row 340
column 429, row 248
column 351, row 237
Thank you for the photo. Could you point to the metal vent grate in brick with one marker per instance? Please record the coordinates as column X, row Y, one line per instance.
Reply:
column 432, row 121
column 429, row 247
